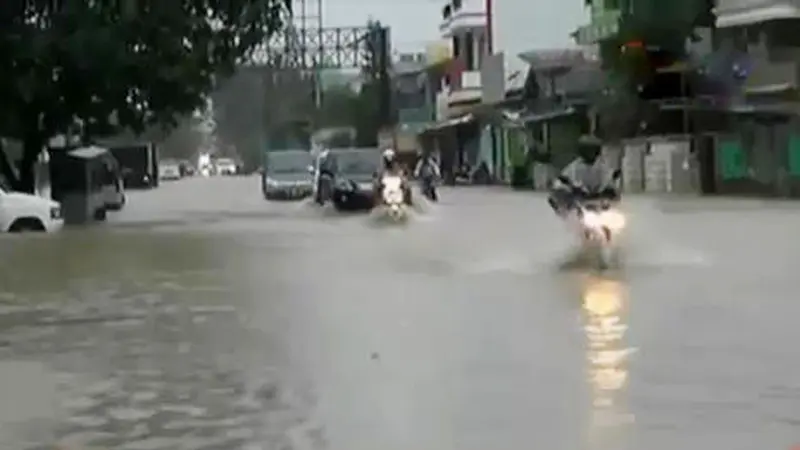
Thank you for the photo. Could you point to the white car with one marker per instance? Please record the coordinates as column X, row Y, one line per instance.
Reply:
column 169, row 171
column 225, row 166
column 24, row 212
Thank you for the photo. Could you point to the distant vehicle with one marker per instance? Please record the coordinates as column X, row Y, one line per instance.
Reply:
column 286, row 175
column 24, row 212
column 169, row 170
column 225, row 166
column 82, row 183
column 187, row 168
column 353, row 187
column 138, row 164
column 204, row 166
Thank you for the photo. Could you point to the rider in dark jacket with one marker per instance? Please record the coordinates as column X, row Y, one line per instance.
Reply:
column 328, row 167
column 427, row 172
column 587, row 176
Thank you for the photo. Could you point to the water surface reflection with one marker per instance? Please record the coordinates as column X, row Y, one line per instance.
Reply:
column 605, row 302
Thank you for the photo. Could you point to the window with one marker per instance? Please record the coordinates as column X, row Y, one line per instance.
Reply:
column 782, row 33
column 663, row 85
column 469, row 48
column 753, row 34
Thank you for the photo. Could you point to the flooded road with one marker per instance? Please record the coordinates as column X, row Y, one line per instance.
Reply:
column 203, row 317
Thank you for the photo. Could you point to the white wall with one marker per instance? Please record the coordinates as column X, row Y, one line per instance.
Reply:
column 522, row 25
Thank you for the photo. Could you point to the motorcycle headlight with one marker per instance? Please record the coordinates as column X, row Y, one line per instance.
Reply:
column 591, row 220
column 614, row 220
column 393, row 196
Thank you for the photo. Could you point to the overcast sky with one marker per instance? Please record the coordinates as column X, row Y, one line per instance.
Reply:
column 414, row 23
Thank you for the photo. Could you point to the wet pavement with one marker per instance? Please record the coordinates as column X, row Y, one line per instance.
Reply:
column 203, row 317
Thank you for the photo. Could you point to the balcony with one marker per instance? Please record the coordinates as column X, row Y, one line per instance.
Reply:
column 462, row 15
column 465, row 87
column 736, row 13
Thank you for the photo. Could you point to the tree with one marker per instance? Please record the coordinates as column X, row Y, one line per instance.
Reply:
column 109, row 65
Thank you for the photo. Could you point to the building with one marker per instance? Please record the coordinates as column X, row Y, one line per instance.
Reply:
column 515, row 27
column 454, row 67
column 762, row 48
column 413, row 87
column 463, row 26
column 562, row 85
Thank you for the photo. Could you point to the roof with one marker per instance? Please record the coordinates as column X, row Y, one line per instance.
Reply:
column 446, row 123
column 583, row 78
column 88, row 152
column 553, row 59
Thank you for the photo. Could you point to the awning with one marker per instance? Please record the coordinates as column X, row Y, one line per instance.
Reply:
column 754, row 15
column 90, row 152
column 447, row 123
column 777, row 88
column 522, row 117
column 777, row 108
column 547, row 115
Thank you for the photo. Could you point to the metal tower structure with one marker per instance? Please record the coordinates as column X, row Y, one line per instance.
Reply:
column 272, row 101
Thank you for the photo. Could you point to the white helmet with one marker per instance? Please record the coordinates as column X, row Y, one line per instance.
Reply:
column 388, row 154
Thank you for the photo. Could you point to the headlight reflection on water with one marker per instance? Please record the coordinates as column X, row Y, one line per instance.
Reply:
column 605, row 310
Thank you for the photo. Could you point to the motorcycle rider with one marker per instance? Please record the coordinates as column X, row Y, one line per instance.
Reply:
column 427, row 171
column 390, row 166
column 586, row 177
column 328, row 167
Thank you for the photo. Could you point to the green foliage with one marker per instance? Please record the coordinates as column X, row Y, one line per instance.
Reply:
column 113, row 65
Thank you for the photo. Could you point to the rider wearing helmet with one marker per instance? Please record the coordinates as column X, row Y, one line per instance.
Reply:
column 587, row 176
column 390, row 166
column 389, row 161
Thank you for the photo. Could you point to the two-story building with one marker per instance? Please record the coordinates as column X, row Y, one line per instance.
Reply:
column 464, row 27
column 763, row 36
column 455, row 134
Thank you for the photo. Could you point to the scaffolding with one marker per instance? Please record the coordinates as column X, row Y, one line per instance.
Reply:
column 272, row 100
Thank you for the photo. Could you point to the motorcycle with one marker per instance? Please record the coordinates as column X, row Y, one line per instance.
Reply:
column 599, row 222
column 600, row 226
column 429, row 189
column 393, row 197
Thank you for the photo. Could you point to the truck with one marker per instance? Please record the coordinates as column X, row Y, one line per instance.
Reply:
column 138, row 164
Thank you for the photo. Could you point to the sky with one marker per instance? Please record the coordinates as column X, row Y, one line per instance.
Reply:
column 415, row 23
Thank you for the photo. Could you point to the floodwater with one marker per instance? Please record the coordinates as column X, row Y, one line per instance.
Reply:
column 203, row 317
